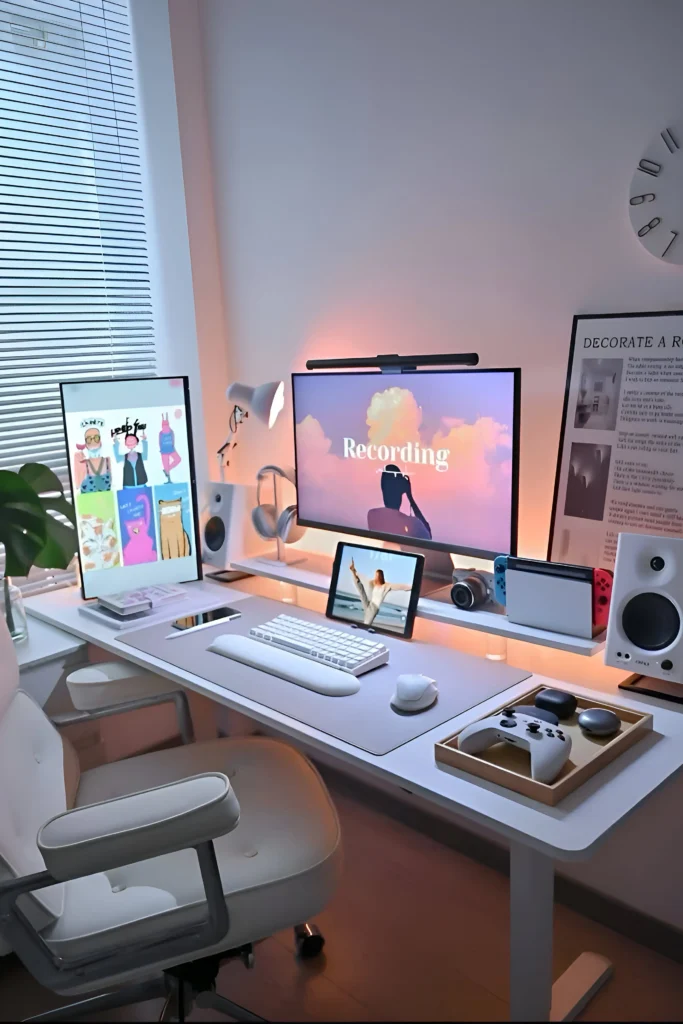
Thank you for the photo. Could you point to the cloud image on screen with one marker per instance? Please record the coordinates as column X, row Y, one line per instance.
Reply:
column 426, row 458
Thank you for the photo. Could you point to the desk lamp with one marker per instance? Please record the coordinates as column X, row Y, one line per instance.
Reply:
column 265, row 402
column 230, row 504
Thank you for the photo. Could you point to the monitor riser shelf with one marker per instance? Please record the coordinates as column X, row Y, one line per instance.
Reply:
column 313, row 572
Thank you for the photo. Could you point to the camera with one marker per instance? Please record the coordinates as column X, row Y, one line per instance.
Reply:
column 471, row 589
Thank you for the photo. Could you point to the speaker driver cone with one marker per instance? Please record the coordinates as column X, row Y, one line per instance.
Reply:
column 214, row 533
column 650, row 621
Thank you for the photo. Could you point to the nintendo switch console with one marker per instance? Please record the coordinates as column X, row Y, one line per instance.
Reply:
column 570, row 599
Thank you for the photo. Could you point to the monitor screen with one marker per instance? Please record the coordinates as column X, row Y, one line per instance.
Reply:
column 131, row 466
column 429, row 458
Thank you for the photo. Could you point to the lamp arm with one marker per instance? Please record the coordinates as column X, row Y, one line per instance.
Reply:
column 226, row 443
column 236, row 417
column 219, row 455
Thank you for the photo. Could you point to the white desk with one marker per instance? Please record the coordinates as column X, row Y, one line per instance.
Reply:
column 537, row 835
column 46, row 643
column 45, row 655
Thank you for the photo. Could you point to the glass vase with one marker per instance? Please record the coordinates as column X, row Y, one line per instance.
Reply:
column 15, row 613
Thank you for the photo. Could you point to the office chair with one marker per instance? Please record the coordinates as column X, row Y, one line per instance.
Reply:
column 136, row 879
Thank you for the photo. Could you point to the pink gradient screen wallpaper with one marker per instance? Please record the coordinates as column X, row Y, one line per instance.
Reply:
column 421, row 456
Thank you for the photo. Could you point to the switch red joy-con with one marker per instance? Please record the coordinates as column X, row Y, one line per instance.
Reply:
column 602, row 595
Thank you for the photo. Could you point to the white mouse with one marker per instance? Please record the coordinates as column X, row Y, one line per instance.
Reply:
column 414, row 693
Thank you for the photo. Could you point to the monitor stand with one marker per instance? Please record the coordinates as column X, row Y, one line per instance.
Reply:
column 438, row 567
column 438, row 572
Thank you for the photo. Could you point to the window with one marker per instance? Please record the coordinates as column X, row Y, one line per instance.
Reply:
column 74, row 281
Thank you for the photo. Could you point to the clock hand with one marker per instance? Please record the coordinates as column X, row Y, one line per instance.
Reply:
column 675, row 236
column 669, row 140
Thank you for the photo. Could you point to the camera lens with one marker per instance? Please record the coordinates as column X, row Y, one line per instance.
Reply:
column 470, row 592
column 657, row 563
column 462, row 596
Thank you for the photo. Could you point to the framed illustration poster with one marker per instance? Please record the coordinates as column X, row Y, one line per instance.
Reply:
column 620, row 463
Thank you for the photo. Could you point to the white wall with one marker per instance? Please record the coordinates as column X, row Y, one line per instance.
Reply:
column 439, row 175
column 169, row 251
column 201, row 217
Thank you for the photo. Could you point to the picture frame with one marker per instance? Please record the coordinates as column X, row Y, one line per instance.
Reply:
column 614, row 466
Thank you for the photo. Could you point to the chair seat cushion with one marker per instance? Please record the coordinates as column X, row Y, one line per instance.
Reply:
column 279, row 866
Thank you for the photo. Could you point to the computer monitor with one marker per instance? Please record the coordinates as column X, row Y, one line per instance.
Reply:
column 131, row 466
column 428, row 458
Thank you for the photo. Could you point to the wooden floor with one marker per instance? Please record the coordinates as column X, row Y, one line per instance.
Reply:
column 416, row 932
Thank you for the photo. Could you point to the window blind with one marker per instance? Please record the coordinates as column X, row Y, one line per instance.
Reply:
column 75, row 299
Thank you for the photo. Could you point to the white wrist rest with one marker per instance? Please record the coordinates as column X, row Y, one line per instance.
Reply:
column 321, row 678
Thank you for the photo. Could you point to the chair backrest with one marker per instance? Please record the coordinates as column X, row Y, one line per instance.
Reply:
column 33, row 758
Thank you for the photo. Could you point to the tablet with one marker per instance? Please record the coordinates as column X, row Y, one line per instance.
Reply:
column 375, row 588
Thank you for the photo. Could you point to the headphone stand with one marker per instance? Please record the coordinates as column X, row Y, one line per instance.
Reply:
column 280, row 558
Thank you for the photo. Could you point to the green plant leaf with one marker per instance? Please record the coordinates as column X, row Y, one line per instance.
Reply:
column 41, row 478
column 22, row 523
column 61, row 541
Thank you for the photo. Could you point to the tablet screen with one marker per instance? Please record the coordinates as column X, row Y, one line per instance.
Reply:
column 375, row 588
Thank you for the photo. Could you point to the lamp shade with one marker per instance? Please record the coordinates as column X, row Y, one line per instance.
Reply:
column 265, row 402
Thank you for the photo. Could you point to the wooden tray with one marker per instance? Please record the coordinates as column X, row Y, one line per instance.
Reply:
column 510, row 766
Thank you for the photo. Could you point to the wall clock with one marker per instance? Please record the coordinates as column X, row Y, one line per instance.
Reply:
column 656, row 196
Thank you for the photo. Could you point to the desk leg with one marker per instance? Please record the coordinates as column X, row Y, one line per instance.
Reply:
column 533, row 997
column 531, row 934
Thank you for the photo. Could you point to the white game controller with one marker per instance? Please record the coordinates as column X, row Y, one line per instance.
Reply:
column 548, row 747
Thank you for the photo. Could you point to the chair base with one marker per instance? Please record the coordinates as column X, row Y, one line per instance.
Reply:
column 309, row 941
column 213, row 1001
column 180, row 999
column 185, row 986
column 153, row 989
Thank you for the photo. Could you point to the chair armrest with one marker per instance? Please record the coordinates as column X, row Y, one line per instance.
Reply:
column 131, row 828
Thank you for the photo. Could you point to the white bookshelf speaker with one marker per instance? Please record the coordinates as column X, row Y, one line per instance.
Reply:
column 226, row 529
column 645, row 630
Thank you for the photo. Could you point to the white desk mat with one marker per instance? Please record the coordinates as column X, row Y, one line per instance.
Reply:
column 363, row 719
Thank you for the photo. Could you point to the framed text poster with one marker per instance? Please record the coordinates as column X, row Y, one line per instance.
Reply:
column 620, row 464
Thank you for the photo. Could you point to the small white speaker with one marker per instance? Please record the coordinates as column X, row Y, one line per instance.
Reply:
column 645, row 630
column 226, row 529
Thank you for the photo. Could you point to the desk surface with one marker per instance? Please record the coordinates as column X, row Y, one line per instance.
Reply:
column 46, row 643
column 567, row 832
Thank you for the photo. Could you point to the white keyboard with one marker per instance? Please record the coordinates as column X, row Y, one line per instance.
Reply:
column 353, row 653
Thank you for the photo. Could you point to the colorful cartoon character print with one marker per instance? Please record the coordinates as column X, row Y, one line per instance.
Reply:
column 133, row 459
column 175, row 542
column 138, row 542
column 169, row 456
column 92, row 470
column 99, row 543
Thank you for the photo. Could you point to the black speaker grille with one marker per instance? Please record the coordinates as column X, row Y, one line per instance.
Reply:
column 214, row 533
column 651, row 621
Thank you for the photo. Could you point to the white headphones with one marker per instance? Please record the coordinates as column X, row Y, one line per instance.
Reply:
column 264, row 517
